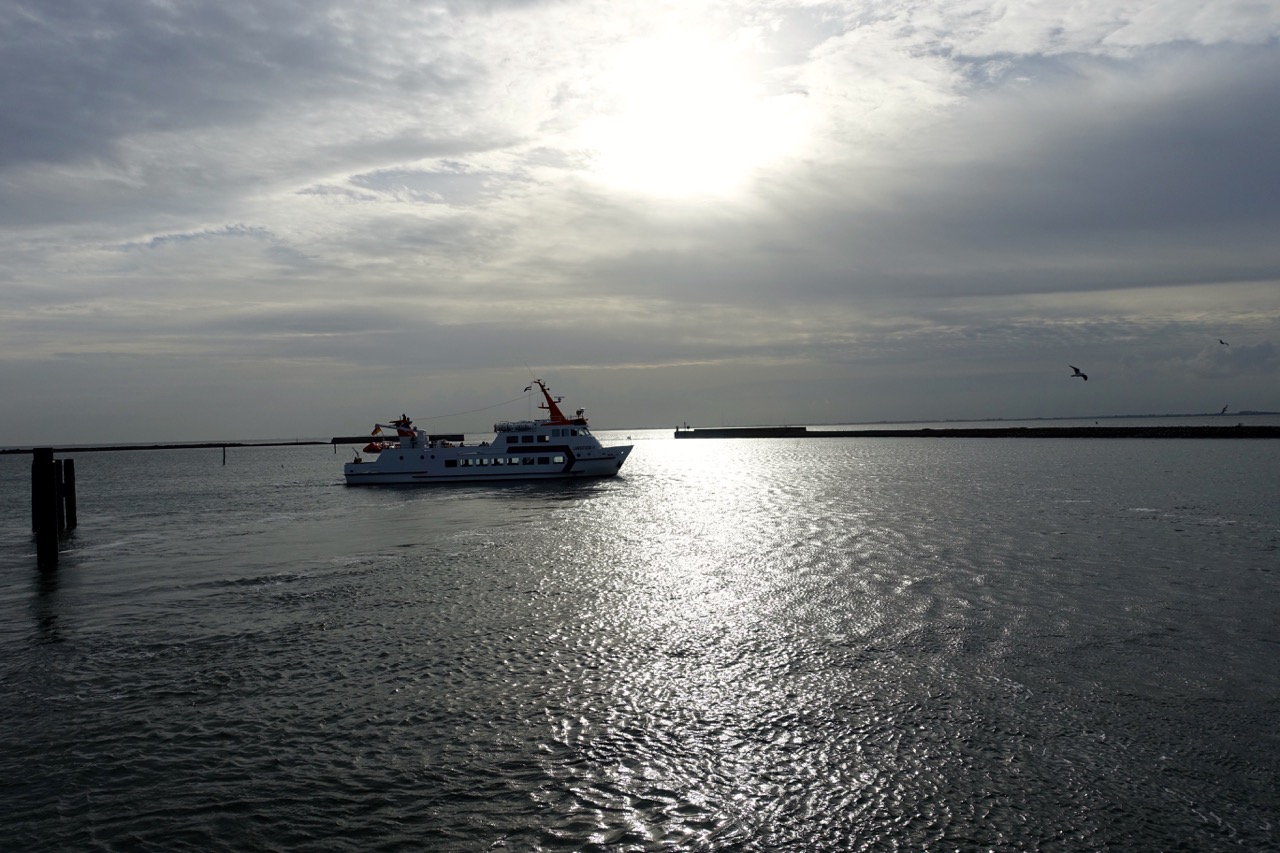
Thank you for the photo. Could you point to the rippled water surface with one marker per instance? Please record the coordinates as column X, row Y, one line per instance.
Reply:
column 835, row 644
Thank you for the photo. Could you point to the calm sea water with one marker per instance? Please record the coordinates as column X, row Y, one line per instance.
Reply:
column 770, row 645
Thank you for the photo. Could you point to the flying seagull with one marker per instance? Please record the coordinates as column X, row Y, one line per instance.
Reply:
column 1224, row 343
column 1224, row 411
column 1077, row 373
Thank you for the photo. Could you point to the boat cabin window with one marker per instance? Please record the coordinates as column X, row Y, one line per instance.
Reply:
column 527, row 439
column 513, row 439
column 558, row 460
column 544, row 438
column 542, row 460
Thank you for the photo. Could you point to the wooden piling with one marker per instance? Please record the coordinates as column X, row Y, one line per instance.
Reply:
column 44, row 506
column 59, row 503
column 69, row 493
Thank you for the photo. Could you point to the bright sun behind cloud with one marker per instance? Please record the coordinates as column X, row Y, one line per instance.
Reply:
column 681, row 117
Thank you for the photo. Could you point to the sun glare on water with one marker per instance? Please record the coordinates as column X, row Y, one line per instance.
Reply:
column 681, row 117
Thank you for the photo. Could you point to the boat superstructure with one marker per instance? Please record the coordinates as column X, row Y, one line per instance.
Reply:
column 554, row 447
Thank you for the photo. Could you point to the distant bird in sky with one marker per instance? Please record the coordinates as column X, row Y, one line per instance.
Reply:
column 1224, row 343
column 1224, row 411
column 1077, row 373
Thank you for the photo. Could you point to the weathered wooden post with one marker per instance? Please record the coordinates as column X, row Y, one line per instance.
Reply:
column 35, row 479
column 59, row 505
column 69, row 493
column 44, row 507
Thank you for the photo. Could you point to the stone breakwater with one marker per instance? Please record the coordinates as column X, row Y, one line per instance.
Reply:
column 1238, row 431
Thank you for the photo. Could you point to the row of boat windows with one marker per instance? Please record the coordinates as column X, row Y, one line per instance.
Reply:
column 474, row 461
column 556, row 432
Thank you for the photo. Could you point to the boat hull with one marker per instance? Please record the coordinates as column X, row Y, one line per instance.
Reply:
column 428, row 466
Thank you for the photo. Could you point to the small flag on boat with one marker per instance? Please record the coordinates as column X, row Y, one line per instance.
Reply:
column 377, row 430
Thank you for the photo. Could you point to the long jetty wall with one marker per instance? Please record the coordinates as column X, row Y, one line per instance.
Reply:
column 198, row 445
column 1239, row 431
column 214, row 445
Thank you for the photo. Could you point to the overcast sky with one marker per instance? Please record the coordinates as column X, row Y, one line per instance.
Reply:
column 233, row 220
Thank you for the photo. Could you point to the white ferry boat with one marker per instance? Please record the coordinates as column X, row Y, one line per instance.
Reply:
column 555, row 447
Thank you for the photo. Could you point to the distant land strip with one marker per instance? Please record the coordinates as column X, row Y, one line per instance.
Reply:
column 1239, row 431
column 213, row 445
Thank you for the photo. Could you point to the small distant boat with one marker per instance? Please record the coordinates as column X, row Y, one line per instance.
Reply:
column 552, row 448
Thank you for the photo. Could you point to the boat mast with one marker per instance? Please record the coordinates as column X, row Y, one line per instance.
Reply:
column 556, row 416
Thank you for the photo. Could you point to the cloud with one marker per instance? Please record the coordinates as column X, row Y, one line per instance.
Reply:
column 901, row 192
column 1156, row 175
column 1219, row 362
column 83, row 76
